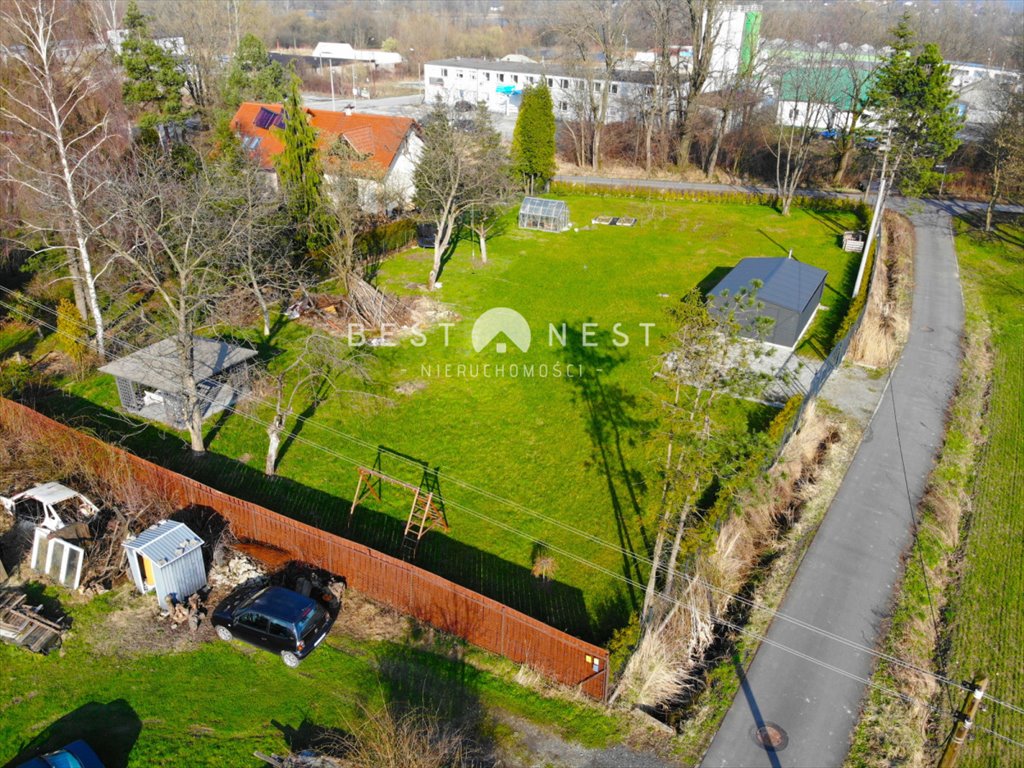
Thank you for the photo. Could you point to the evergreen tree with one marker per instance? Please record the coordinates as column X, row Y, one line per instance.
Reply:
column 301, row 174
column 914, row 98
column 533, row 141
column 153, row 78
column 253, row 76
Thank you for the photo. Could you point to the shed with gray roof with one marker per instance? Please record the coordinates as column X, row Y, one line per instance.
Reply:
column 788, row 292
column 150, row 381
column 167, row 558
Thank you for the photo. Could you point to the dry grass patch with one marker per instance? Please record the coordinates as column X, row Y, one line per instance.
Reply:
column 886, row 321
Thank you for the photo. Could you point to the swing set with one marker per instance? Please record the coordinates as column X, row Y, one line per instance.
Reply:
column 426, row 510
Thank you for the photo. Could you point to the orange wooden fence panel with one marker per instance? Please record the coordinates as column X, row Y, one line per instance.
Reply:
column 452, row 608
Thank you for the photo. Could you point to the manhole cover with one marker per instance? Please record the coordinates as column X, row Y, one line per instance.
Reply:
column 770, row 736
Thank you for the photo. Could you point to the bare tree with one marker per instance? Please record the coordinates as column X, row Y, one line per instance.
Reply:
column 594, row 26
column 1003, row 143
column 662, row 18
column 310, row 376
column 260, row 263
column 809, row 91
column 703, row 19
column 46, row 100
column 173, row 229
column 855, row 84
column 461, row 168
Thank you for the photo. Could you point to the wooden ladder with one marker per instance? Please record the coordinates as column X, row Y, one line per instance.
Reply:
column 424, row 514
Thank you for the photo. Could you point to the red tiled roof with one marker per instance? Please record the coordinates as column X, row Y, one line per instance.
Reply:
column 377, row 136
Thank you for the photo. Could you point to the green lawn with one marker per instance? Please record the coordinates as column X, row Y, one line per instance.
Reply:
column 213, row 705
column 988, row 611
column 583, row 450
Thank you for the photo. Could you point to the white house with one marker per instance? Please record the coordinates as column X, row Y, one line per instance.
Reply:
column 384, row 150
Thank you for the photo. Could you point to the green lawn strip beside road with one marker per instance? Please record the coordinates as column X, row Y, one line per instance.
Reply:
column 987, row 612
column 979, row 469
column 580, row 450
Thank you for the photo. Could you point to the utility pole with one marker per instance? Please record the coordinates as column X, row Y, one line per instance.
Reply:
column 964, row 722
column 875, row 216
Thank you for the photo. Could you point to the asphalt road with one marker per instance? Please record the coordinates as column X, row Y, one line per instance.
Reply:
column 845, row 582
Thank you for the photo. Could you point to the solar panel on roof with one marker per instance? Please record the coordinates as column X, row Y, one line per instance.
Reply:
column 265, row 118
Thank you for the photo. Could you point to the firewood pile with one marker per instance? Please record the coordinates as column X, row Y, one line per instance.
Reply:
column 189, row 613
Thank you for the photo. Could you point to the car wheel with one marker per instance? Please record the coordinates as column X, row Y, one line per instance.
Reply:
column 290, row 659
column 223, row 633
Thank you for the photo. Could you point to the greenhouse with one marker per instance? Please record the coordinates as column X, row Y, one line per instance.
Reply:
column 545, row 215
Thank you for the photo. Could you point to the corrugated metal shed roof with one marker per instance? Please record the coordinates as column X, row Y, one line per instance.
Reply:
column 157, row 365
column 786, row 283
column 165, row 542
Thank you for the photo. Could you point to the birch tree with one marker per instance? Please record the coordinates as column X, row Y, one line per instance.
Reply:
column 47, row 100
column 708, row 361
column 810, row 91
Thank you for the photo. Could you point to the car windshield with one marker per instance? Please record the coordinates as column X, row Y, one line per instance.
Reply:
column 62, row 759
column 310, row 618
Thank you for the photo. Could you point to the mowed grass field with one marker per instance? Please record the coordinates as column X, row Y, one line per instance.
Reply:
column 581, row 448
column 988, row 612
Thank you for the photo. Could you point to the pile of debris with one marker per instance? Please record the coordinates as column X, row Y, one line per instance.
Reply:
column 24, row 626
column 237, row 571
column 364, row 305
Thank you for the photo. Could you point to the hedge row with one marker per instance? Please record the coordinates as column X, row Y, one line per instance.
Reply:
column 385, row 239
column 822, row 204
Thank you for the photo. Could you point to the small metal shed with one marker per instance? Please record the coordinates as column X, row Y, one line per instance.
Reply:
column 167, row 558
column 789, row 294
column 543, row 214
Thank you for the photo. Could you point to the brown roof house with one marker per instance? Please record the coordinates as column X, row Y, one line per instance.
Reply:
column 383, row 150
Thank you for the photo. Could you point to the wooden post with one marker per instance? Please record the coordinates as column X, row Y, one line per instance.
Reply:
column 355, row 497
column 964, row 722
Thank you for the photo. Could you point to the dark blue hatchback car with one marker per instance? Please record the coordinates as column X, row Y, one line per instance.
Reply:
column 77, row 754
column 276, row 619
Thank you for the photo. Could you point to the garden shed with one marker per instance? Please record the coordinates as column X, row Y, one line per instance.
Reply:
column 167, row 558
column 149, row 380
column 545, row 215
column 789, row 292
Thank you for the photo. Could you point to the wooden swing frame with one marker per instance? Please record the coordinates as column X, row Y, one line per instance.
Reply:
column 425, row 512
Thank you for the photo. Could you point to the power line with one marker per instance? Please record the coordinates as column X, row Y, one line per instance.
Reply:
column 583, row 561
column 596, row 540
column 620, row 577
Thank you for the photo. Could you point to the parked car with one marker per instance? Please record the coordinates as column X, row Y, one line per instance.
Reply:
column 276, row 619
column 77, row 754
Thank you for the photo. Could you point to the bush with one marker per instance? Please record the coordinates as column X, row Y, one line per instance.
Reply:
column 385, row 239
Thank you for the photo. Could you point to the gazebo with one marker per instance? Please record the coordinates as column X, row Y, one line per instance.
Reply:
column 150, row 380
column 789, row 294
column 545, row 215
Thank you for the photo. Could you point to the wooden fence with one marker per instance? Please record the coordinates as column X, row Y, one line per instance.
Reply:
column 478, row 619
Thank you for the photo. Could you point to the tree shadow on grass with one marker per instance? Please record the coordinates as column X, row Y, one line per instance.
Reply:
column 559, row 605
column 110, row 729
column 440, row 684
column 613, row 423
